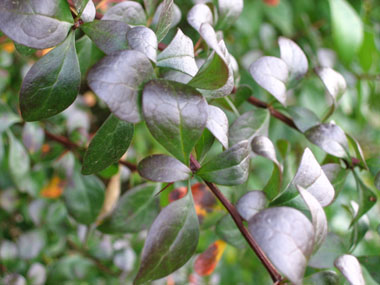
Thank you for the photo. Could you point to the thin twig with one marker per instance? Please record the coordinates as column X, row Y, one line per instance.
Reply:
column 275, row 275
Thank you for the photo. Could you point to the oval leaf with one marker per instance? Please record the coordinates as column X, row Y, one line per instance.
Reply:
column 207, row 261
column 144, row 40
column 263, row 146
column 251, row 203
column 303, row 117
column 271, row 73
column 293, row 56
column 116, row 80
column 217, row 123
column 130, row 12
column 163, row 168
column 109, row 144
column 229, row 167
column 175, row 114
column 350, row 268
column 37, row 24
column 165, row 20
column 199, row 14
column 52, row 84
column 171, row 241
column 334, row 82
column 286, row 236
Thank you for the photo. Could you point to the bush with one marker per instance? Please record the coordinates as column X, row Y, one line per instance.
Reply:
column 195, row 143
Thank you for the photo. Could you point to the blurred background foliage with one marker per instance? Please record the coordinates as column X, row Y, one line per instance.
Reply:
column 41, row 243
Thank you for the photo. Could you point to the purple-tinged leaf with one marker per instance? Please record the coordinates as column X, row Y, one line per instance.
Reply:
column 349, row 266
column 217, row 123
column 251, row 203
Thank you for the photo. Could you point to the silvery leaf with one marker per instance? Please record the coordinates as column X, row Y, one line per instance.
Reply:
column 334, row 81
column 271, row 73
column 179, row 55
column 130, row 12
column 89, row 12
column 116, row 80
column 263, row 146
column 251, row 203
column 349, row 266
column 144, row 40
column 37, row 274
column 311, row 177
column 30, row 244
column 217, row 123
column 230, row 10
column 326, row 57
column 293, row 56
column 199, row 14
column 286, row 236
column 176, row 16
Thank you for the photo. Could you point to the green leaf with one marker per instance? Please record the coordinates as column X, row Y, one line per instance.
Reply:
column 303, row 117
column 281, row 16
column 323, row 277
column 204, row 144
column 24, row 50
column 36, row 24
column 84, row 197
column 212, row 75
column 165, row 20
column 116, row 79
column 227, row 230
column 358, row 150
column 88, row 54
column 175, row 114
column 229, row 11
column 371, row 263
column 52, row 84
column 109, row 36
column 347, row 29
column 7, row 117
column 171, row 241
column 135, row 211
column 108, row 145
column 229, row 167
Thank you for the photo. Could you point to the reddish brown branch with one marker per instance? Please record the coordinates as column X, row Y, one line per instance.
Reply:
column 275, row 275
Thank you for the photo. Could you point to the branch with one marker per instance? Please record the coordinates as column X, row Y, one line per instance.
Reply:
column 275, row 275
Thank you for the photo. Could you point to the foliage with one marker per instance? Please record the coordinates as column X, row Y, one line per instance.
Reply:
column 189, row 142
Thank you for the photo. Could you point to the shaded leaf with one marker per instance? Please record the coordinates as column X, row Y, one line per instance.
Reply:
column 271, row 73
column 286, row 236
column 7, row 117
column 37, row 24
column 88, row 54
column 175, row 114
column 360, row 228
column 347, row 29
column 116, row 80
column 329, row 137
column 135, row 211
column 371, row 263
column 303, row 117
column 336, row 174
column 206, row 262
column 163, row 168
column 248, row 125
column 251, row 203
column 130, row 12
column 229, row 167
column 171, row 241
column 144, row 40
column 199, row 14
column 165, row 20
column 358, row 151
column 33, row 137
column 227, row 230
column 217, row 123
column 293, row 56
column 349, row 266
column 109, row 144
column 179, row 55
column 108, row 35
column 204, row 144
column 323, row 277
column 52, row 84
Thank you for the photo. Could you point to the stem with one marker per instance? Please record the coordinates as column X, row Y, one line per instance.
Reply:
column 275, row 275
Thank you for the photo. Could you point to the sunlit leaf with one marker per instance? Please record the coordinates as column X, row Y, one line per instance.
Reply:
column 130, row 12
column 293, row 56
column 88, row 13
column 206, row 262
column 349, row 266
column 199, row 14
column 251, row 203
column 229, row 11
column 144, row 40
column 217, row 123
column 287, row 237
column 111, row 196
column 334, row 82
column 116, row 79
column 175, row 114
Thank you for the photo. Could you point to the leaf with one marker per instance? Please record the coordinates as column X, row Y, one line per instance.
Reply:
column 360, row 228
column 135, row 211
column 229, row 167
column 229, row 11
column 286, row 236
column 144, row 40
column 37, row 273
column 227, row 230
column 89, row 12
column 109, row 144
column 217, row 123
column 207, row 261
column 175, row 114
column 7, row 117
column 334, row 82
column 293, row 56
column 33, row 137
column 179, row 55
column 318, row 217
column 176, row 15
column 165, row 19
column 349, row 266
column 37, row 24
column 248, row 125
column 251, row 203
column 271, row 73
column 323, row 277
column 204, row 144
column 80, row 5
column 88, row 54
column 130, row 12
column 371, row 263
column 336, row 174
column 108, row 35
column 163, row 168
column 116, row 80
column 330, row 138
column 52, row 84
column 30, row 244
column 199, row 14
column 347, row 29
column 311, row 177
column 358, row 151
column 303, row 117
column 84, row 197
column 171, row 240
